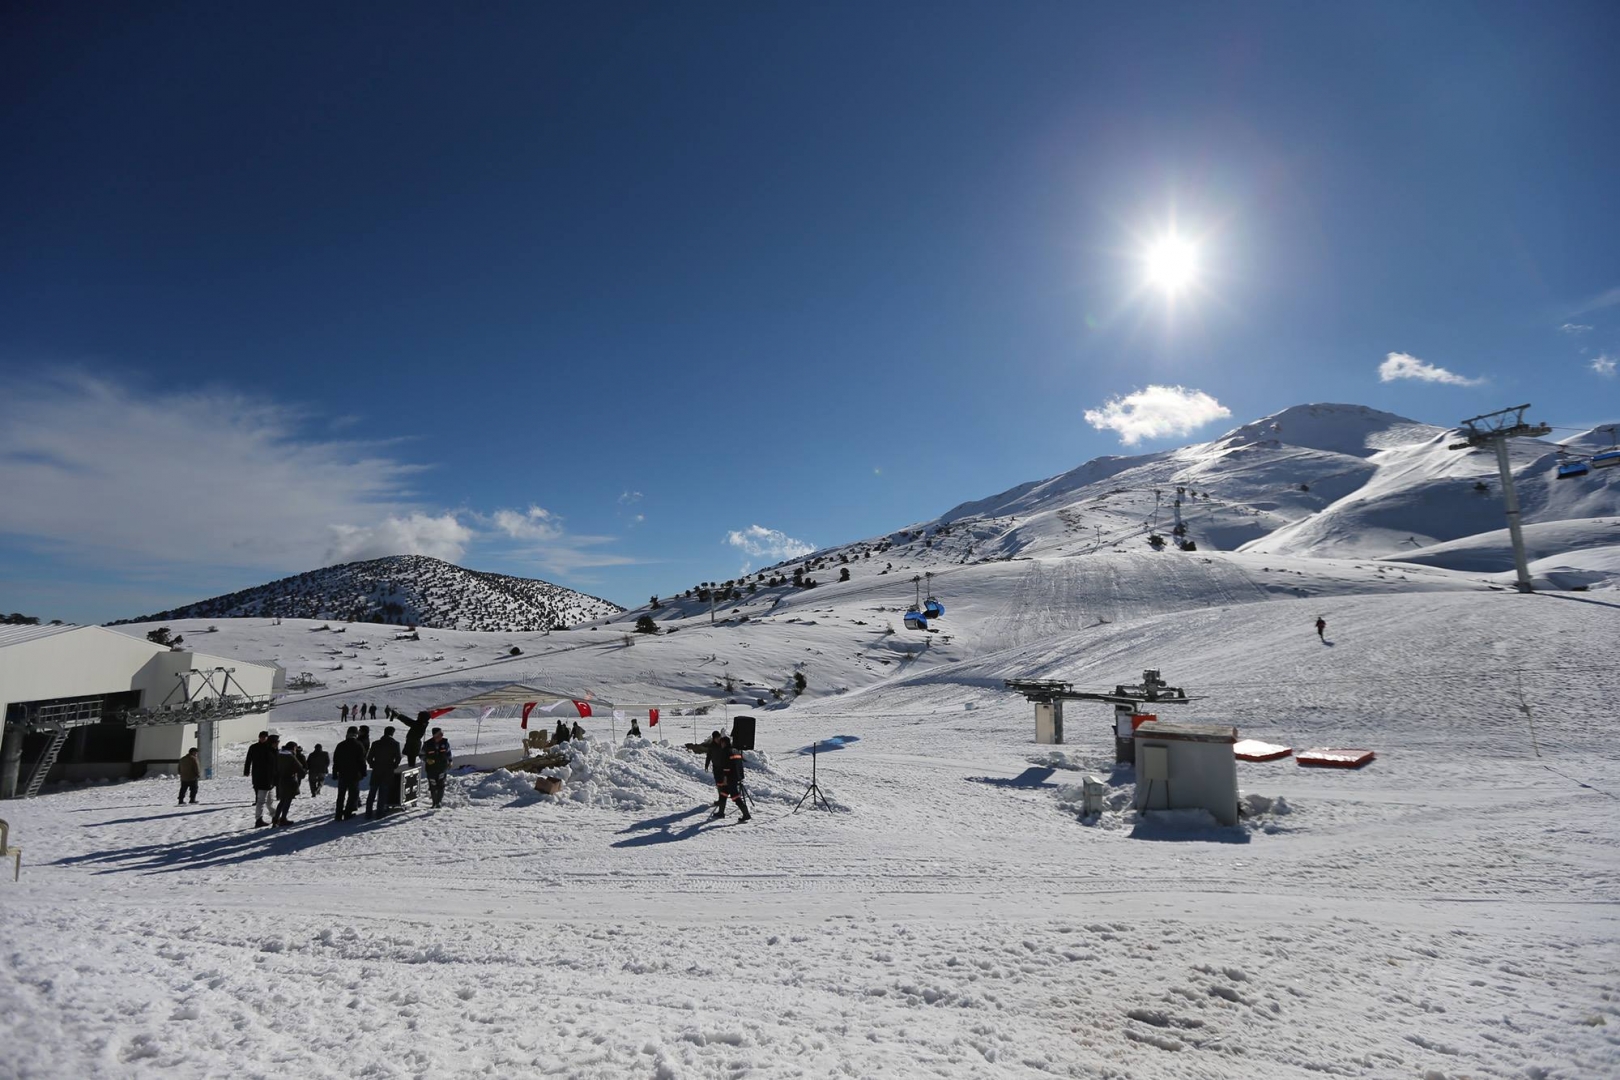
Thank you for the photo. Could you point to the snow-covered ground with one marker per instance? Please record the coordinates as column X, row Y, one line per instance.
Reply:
column 1451, row 910
column 1448, row 911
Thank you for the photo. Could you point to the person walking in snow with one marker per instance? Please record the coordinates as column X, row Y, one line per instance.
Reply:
column 734, row 780
column 317, row 763
column 561, row 734
column 288, row 777
column 436, row 763
column 260, row 764
column 1321, row 628
column 190, row 773
column 714, row 760
column 578, row 732
column 343, row 711
column 373, row 711
column 384, row 761
column 349, row 765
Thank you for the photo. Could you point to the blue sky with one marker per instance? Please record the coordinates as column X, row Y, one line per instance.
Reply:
column 579, row 292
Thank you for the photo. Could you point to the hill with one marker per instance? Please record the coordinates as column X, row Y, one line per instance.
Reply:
column 405, row 590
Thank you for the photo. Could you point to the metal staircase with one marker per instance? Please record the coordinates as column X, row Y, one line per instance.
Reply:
column 42, row 767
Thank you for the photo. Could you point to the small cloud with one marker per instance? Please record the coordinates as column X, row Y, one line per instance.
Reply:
column 537, row 524
column 1573, row 328
column 1156, row 412
column 543, row 540
column 629, row 497
column 639, row 518
column 1399, row 365
column 441, row 536
column 1603, row 365
column 763, row 543
column 1602, row 300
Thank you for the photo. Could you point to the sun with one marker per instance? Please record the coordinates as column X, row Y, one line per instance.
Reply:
column 1171, row 264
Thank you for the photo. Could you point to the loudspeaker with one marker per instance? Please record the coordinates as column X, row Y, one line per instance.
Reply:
column 742, row 732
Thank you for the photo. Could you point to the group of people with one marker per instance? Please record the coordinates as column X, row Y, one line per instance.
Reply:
column 564, row 733
column 278, row 769
column 725, row 760
column 361, row 712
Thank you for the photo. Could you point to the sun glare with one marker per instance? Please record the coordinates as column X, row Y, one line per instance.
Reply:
column 1171, row 263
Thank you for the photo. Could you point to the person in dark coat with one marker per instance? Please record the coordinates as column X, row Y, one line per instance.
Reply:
column 436, row 763
column 365, row 738
column 561, row 734
column 373, row 712
column 343, row 711
column 578, row 732
column 288, row 777
column 1321, row 627
column 733, row 788
column 349, row 765
column 318, row 762
column 715, row 762
column 384, row 760
column 414, row 730
column 190, row 773
column 261, row 766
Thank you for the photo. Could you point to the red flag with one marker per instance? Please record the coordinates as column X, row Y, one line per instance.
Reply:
column 434, row 714
column 652, row 717
column 583, row 707
column 528, row 707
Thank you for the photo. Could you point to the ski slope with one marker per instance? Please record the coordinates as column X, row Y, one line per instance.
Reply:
column 1449, row 910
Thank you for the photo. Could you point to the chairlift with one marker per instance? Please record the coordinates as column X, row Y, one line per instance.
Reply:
column 1606, row 459
column 916, row 620
column 1571, row 469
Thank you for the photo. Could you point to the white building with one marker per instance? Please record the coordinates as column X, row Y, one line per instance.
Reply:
column 80, row 680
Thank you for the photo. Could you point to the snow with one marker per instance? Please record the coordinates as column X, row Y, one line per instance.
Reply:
column 1448, row 910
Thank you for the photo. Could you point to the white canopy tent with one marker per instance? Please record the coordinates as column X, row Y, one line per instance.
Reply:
column 513, row 699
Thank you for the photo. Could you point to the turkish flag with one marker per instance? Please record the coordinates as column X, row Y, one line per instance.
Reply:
column 652, row 717
column 583, row 707
column 434, row 714
column 528, row 707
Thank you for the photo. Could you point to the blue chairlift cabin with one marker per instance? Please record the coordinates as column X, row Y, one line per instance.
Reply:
column 933, row 609
column 915, row 620
column 1606, row 459
column 1571, row 469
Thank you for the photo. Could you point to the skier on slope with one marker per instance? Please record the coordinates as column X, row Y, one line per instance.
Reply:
column 1321, row 628
column 734, row 780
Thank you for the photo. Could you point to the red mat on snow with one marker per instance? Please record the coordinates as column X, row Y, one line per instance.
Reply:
column 1255, row 750
column 1335, row 758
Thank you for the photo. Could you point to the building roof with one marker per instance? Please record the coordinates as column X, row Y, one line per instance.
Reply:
column 16, row 635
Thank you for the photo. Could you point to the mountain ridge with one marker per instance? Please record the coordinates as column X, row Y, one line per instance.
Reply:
column 415, row 590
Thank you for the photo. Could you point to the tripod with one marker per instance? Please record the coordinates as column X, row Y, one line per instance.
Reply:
column 814, row 788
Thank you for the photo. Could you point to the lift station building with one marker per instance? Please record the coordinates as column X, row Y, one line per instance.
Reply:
column 86, row 702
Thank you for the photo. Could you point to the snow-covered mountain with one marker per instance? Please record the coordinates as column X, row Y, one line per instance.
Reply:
column 1322, row 481
column 406, row 589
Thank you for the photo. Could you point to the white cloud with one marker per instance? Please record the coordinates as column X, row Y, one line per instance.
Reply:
column 1574, row 328
column 543, row 541
column 1156, row 412
column 202, row 478
column 1603, row 365
column 763, row 543
column 1608, row 298
column 1399, row 365
column 628, row 497
column 443, row 537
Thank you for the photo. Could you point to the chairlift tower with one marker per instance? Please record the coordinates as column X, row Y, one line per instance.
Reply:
column 1494, row 430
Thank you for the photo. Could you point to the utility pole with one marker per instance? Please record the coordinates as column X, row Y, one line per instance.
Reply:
column 1494, row 430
